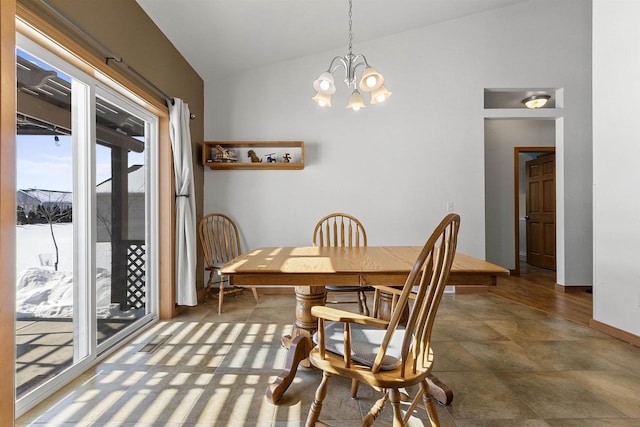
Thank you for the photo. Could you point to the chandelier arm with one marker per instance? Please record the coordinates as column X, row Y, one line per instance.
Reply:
column 364, row 62
column 358, row 61
column 352, row 62
column 333, row 66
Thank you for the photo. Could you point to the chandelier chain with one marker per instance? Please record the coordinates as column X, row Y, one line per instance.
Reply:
column 350, row 30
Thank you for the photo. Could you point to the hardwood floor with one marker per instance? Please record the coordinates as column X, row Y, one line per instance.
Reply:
column 536, row 287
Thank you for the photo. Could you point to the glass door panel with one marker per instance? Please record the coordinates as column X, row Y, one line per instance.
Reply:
column 121, row 218
column 44, row 224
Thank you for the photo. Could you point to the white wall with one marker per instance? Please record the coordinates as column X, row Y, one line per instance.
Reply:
column 396, row 165
column 616, row 176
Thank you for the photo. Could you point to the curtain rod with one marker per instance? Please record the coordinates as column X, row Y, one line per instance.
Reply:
column 110, row 55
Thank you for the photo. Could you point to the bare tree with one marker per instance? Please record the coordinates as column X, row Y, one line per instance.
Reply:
column 53, row 213
column 103, row 216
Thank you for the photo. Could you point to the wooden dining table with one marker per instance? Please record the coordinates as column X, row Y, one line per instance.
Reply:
column 309, row 269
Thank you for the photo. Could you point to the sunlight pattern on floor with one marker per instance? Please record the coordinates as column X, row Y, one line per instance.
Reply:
column 506, row 363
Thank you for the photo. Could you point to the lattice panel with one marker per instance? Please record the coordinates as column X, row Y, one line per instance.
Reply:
column 136, row 275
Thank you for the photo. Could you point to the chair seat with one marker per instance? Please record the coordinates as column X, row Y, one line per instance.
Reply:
column 365, row 343
column 334, row 364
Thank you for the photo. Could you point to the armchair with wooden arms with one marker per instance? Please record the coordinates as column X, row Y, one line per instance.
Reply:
column 342, row 230
column 394, row 354
column 220, row 243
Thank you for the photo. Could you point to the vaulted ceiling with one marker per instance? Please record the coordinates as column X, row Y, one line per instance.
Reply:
column 225, row 36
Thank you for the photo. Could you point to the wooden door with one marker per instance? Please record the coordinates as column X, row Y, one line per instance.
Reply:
column 541, row 211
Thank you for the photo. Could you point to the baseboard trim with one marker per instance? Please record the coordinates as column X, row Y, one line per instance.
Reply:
column 568, row 289
column 615, row 332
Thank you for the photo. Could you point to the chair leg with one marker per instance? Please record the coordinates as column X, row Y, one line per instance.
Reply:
column 207, row 287
column 362, row 303
column 255, row 294
column 394, row 398
column 220, row 297
column 354, row 388
column 375, row 410
column 429, row 404
column 316, row 406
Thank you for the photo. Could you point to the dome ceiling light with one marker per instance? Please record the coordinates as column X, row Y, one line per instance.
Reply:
column 536, row 101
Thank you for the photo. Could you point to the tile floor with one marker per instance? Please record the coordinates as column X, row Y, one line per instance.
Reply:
column 508, row 365
column 44, row 348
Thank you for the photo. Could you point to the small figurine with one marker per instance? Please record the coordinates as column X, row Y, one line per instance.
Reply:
column 254, row 157
column 225, row 155
column 271, row 158
column 286, row 158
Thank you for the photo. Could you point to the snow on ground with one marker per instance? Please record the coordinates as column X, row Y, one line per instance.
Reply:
column 42, row 292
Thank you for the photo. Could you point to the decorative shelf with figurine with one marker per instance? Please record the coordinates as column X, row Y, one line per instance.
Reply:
column 253, row 154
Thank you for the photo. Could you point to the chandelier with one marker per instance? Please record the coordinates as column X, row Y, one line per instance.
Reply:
column 371, row 81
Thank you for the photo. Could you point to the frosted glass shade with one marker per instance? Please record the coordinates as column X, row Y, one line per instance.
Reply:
column 536, row 101
column 355, row 101
column 380, row 95
column 370, row 80
column 325, row 84
column 322, row 99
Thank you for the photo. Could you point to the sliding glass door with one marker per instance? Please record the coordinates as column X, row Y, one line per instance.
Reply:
column 86, row 221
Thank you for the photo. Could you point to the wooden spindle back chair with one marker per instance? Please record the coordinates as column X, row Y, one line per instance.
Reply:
column 220, row 241
column 342, row 230
column 394, row 354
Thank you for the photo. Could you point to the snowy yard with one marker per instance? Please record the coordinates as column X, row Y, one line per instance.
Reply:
column 41, row 291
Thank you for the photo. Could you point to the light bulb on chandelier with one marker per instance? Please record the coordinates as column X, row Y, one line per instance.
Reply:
column 371, row 81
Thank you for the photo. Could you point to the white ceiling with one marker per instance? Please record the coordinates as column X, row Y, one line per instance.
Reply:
column 226, row 36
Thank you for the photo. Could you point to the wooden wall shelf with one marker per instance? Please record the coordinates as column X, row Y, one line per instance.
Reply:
column 262, row 149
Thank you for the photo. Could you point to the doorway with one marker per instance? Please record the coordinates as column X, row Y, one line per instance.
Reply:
column 534, row 196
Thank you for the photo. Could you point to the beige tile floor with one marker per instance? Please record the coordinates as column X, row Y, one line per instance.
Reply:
column 44, row 348
column 508, row 365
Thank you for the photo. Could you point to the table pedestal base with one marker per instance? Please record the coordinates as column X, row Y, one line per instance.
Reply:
column 299, row 348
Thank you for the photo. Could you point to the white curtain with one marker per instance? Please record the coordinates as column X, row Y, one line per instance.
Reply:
column 186, row 240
